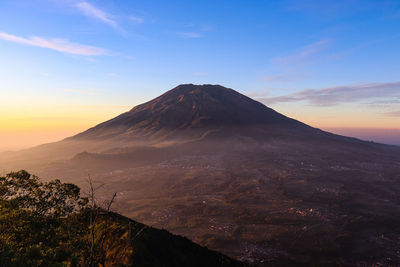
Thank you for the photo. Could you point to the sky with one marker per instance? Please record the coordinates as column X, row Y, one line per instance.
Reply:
column 66, row 65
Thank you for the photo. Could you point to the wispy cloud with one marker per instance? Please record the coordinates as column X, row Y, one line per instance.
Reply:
column 190, row 35
column 383, row 103
column 293, row 66
column 136, row 19
column 61, row 45
column 341, row 94
column 91, row 11
column 194, row 31
column 305, row 53
column 393, row 113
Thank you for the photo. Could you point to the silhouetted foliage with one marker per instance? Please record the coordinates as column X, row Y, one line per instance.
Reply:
column 37, row 226
column 50, row 224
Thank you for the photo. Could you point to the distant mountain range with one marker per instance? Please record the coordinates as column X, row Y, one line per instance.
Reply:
column 209, row 163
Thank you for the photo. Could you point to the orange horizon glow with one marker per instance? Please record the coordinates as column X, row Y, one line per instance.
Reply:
column 32, row 126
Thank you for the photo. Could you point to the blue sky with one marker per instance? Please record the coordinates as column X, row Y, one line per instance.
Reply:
column 328, row 63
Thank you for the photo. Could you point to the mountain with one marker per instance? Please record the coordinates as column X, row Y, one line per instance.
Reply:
column 231, row 174
column 187, row 111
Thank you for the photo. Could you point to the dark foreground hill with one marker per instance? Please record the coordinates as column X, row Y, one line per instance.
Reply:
column 206, row 162
column 50, row 224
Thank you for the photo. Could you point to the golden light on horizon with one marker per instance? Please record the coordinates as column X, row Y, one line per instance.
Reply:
column 33, row 125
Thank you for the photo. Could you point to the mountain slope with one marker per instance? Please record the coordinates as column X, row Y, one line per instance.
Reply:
column 186, row 113
column 154, row 247
column 185, row 110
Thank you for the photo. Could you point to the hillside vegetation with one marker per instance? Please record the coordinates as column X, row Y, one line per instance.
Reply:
column 51, row 224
